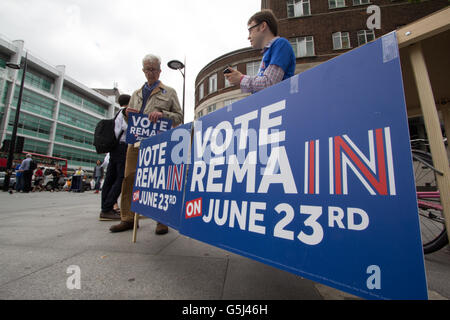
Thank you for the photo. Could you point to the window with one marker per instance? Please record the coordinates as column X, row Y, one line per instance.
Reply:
column 359, row 2
column 227, row 83
column 98, row 109
column 3, row 61
column 341, row 40
column 333, row 4
column 211, row 108
column 213, row 83
column 200, row 114
column 34, row 102
column 365, row 36
column 75, row 98
column 303, row 46
column 298, row 8
column 31, row 145
column 253, row 68
column 201, row 92
column 74, row 137
column 37, row 80
column 35, row 146
column 32, row 126
column 75, row 118
column 230, row 101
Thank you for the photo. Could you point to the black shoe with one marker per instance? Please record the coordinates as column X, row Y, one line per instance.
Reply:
column 109, row 216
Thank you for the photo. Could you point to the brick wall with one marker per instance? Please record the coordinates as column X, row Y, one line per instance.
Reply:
column 321, row 24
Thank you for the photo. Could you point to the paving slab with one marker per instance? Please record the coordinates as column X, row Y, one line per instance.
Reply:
column 18, row 262
column 43, row 234
column 117, row 276
column 248, row 279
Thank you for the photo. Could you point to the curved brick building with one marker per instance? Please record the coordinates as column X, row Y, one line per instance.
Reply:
column 317, row 29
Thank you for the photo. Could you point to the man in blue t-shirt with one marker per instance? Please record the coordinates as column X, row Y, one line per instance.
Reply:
column 278, row 62
column 19, row 178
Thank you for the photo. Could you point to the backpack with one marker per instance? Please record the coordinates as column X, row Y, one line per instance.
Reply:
column 104, row 137
column 33, row 165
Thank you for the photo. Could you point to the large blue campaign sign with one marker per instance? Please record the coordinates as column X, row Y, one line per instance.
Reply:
column 160, row 175
column 314, row 176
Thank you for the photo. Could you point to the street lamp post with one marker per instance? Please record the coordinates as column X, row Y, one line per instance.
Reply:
column 12, row 144
column 178, row 65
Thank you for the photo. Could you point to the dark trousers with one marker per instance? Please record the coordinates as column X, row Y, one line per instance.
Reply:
column 19, row 183
column 27, row 175
column 112, row 185
column 97, row 183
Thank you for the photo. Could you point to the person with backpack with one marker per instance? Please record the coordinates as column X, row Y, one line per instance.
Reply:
column 112, row 184
column 27, row 167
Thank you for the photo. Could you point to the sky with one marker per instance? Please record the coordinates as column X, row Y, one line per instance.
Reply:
column 103, row 42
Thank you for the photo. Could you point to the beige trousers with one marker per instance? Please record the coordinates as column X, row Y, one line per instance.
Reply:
column 127, row 185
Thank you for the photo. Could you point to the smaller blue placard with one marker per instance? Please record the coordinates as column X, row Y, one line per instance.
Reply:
column 140, row 127
column 158, row 191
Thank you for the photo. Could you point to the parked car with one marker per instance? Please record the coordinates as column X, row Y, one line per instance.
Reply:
column 12, row 180
column 48, row 179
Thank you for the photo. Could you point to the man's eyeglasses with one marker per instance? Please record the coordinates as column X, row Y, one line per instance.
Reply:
column 147, row 70
column 250, row 29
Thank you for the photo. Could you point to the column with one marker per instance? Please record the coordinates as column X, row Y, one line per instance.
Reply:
column 11, row 74
column 59, row 83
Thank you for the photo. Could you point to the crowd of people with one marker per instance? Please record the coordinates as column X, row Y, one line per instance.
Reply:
column 44, row 178
column 158, row 100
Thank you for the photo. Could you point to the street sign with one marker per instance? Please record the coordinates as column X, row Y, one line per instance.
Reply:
column 314, row 176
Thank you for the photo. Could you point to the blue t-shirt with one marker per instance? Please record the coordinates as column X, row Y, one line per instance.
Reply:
column 280, row 53
column 18, row 173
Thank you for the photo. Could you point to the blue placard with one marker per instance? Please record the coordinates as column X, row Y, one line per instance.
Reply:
column 160, row 175
column 140, row 127
column 314, row 176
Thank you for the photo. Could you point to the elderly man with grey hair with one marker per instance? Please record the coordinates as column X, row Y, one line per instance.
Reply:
column 158, row 101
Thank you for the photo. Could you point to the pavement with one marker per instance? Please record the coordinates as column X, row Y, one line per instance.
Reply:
column 46, row 239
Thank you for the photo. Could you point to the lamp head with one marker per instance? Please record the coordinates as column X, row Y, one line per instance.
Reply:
column 13, row 65
column 175, row 65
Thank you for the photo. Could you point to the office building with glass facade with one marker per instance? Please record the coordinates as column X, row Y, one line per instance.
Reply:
column 58, row 114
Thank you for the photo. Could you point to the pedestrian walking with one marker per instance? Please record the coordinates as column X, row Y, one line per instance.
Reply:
column 98, row 175
column 19, row 178
column 38, row 179
column 57, row 174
